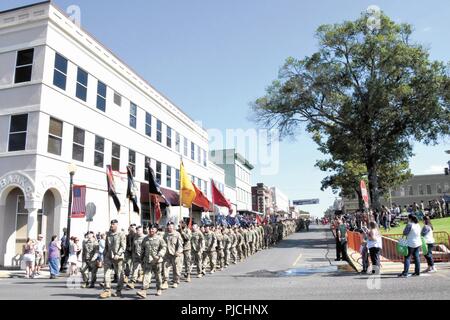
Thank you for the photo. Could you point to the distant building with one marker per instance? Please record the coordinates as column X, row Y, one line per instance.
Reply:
column 419, row 188
column 280, row 200
column 262, row 199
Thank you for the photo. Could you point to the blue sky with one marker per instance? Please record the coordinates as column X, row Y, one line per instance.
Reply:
column 212, row 58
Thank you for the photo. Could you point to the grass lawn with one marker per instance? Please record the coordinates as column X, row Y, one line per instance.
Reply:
column 438, row 225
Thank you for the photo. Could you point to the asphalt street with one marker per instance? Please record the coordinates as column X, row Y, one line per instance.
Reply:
column 300, row 267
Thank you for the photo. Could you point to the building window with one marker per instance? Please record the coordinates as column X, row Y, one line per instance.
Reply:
column 82, row 84
column 60, row 72
column 117, row 99
column 199, row 155
column 78, row 144
column 205, row 160
column 177, row 179
column 18, row 132
column 438, row 188
column 133, row 115
column 159, row 131
column 158, row 172
column 115, row 158
column 446, row 188
column 410, row 192
column 99, row 153
column 205, row 186
column 147, row 166
column 177, row 142
column 148, row 124
column 55, row 137
column 185, row 147
column 192, row 151
column 132, row 161
column 421, row 191
column 169, row 137
column 169, row 176
column 428, row 189
column 24, row 66
column 101, row 96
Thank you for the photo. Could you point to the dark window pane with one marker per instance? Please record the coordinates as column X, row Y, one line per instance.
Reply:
column 78, row 153
column 81, row 92
column 25, row 57
column 148, row 118
column 159, row 125
column 132, row 122
column 23, row 74
column 132, row 156
column 61, row 63
column 54, row 145
column 115, row 164
column 17, row 141
column 101, row 103
column 133, row 109
column 116, row 150
column 99, row 144
column 59, row 80
column 78, row 136
column 159, row 136
column 101, row 89
column 148, row 130
column 117, row 99
column 56, row 127
column 98, row 159
column 82, row 77
column 19, row 123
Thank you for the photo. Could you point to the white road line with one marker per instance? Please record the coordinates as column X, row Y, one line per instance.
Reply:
column 297, row 260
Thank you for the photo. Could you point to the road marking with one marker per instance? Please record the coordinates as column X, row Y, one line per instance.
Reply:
column 296, row 261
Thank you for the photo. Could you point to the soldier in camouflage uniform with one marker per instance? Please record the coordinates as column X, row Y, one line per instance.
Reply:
column 243, row 245
column 233, row 244
column 251, row 240
column 153, row 251
column 197, row 245
column 136, row 256
column 187, row 258
column 210, row 253
column 89, row 260
column 219, row 248
column 239, row 240
column 128, row 259
column 173, row 256
column 226, row 246
column 115, row 245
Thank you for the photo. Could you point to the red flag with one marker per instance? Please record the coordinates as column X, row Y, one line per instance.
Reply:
column 218, row 198
column 200, row 199
column 79, row 202
column 157, row 208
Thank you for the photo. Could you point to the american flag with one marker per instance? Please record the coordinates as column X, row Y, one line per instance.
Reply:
column 79, row 202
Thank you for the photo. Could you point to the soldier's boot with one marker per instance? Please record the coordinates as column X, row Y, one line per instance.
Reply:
column 165, row 285
column 92, row 285
column 175, row 285
column 212, row 271
column 188, row 278
column 105, row 294
column 142, row 294
column 84, row 285
column 117, row 294
column 158, row 292
column 125, row 279
column 130, row 286
column 200, row 275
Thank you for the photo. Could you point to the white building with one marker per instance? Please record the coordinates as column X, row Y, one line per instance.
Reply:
column 280, row 200
column 66, row 98
column 238, row 187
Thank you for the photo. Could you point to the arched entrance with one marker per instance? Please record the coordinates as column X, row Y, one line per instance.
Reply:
column 49, row 220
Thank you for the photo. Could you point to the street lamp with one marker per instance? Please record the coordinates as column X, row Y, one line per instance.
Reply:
column 72, row 170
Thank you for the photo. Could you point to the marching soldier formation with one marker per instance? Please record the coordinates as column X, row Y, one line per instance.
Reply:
column 150, row 251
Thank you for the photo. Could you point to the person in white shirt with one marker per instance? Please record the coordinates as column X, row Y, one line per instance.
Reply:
column 374, row 244
column 412, row 231
column 427, row 233
column 40, row 250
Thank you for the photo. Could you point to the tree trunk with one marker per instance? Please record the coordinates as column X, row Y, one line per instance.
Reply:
column 360, row 200
column 374, row 192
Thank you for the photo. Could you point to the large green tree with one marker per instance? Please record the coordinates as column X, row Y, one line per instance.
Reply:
column 374, row 87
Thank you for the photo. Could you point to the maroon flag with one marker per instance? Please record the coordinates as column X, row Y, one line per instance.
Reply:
column 218, row 198
column 78, row 202
column 111, row 187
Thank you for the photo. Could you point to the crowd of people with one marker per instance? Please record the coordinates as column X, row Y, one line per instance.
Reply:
column 152, row 250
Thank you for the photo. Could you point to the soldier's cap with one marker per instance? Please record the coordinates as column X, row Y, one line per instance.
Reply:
column 153, row 226
column 114, row 221
column 133, row 225
column 170, row 223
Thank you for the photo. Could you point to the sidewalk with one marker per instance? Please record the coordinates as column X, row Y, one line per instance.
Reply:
column 391, row 267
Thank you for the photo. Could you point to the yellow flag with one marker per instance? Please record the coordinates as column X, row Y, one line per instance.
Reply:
column 187, row 191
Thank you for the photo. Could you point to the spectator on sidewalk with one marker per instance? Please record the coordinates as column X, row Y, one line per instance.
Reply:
column 341, row 233
column 40, row 249
column 29, row 258
column 74, row 251
column 64, row 253
column 427, row 233
column 412, row 231
column 374, row 245
column 54, row 256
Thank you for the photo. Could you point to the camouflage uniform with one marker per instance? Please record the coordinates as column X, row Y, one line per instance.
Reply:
column 187, row 257
column 233, row 244
column 89, row 261
column 198, row 245
column 136, row 258
column 173, row 257
column 220, row 251
column 115, row 245
column 153, row 252
column 226, row 247
column 210, row 252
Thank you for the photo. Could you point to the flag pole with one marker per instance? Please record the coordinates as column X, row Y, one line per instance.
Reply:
column 212, row 198
column 181, row 188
